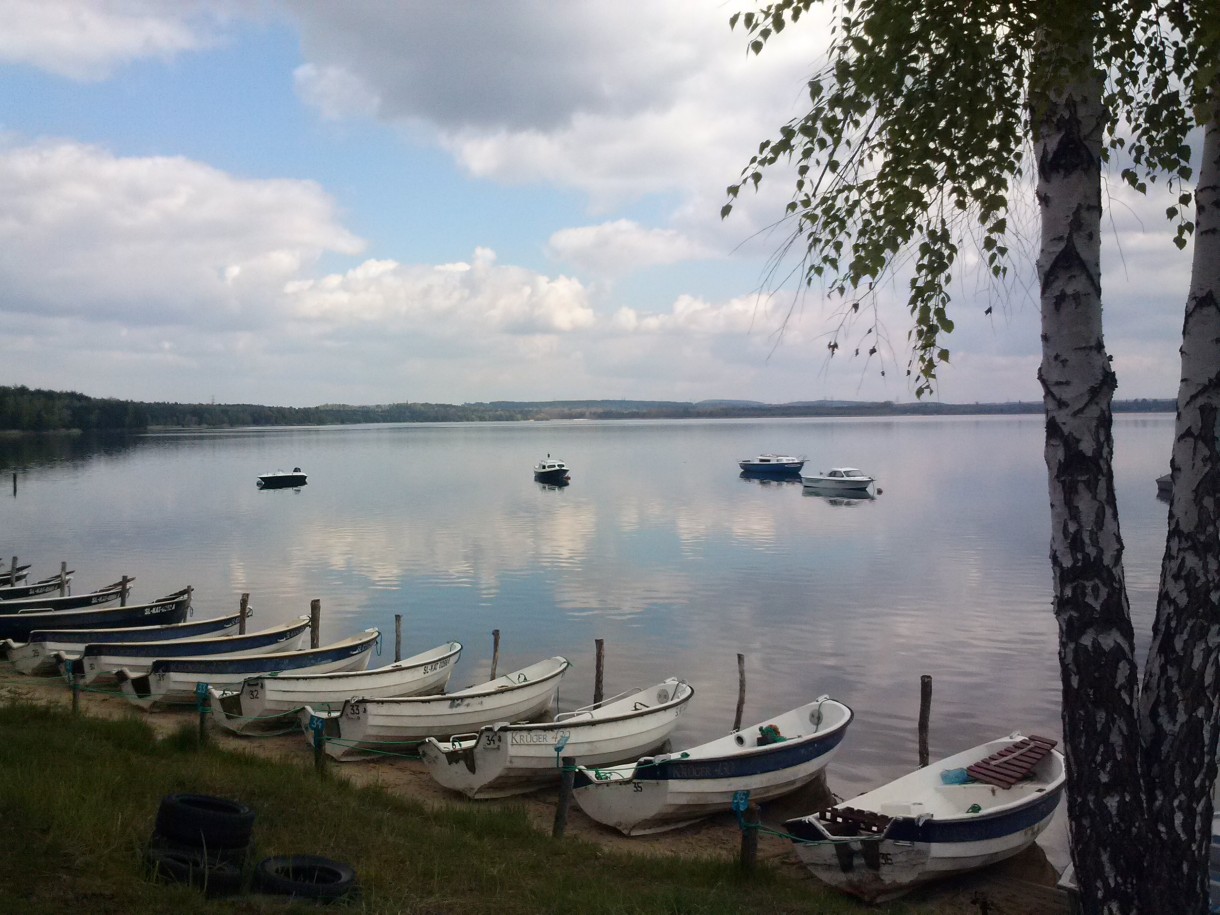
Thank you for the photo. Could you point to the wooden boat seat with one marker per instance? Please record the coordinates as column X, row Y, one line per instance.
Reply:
column 1008, row 766
column 851, row 821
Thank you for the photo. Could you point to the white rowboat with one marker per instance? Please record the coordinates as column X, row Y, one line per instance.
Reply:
column 964, row 812
column 268, row 701
column 769, row 759
column 178, row 680
column 505, row 759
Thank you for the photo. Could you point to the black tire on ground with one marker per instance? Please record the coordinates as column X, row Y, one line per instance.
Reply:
column 234, row 856
column 306, row 876
column 205, row 821
column 215, row 879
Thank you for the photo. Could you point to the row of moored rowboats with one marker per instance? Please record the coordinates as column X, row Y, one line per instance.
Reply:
column 504, row 737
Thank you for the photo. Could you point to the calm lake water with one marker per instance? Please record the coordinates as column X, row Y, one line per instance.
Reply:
column 658, row 547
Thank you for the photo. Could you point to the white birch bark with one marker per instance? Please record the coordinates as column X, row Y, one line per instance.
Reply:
column 1180, row 705
column 1095, row 634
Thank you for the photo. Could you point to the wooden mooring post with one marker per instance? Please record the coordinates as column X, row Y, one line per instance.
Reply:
column 741, row 691
column 124, row 591
column 495, row 652
column 315, row 622
column 63, row 576
column 397, row 637
column 925, row 713
column 243, row 610
column 750, row 821
column 565, row 796
column 599, row 671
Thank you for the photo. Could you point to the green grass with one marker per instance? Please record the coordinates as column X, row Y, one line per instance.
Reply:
column 79, row 797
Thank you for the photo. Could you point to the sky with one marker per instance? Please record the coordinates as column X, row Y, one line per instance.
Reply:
column 377, row 201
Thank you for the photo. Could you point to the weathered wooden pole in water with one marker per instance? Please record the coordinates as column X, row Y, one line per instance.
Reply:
column 243, row 610
column 599, row 671
column 749, row 837
column 495, row 652
column 123, row 592
column 63, row 576
column 315, row 622
column 397, row 637
column 741, row 691
column 925, row 712
column 75, row 684
column 565, row 796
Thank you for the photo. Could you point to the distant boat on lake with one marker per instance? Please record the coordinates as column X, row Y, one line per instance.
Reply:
column 772, row 465
column 282, row 479
column 551, row 470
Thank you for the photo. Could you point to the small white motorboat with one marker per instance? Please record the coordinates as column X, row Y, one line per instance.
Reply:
column 772, row 465
column 262, row 702
column 505, row 759
column 964, row 812
column 838, row 478
column 364, row 725
column 770, row 759
column 551, row 470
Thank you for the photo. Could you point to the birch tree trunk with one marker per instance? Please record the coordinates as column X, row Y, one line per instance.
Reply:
column 1181, row 696
column 1096, row 641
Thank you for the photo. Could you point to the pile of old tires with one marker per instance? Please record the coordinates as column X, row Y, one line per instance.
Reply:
column 205, row 842
column 202, row 841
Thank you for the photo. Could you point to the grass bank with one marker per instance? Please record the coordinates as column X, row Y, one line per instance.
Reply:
column 80, row 797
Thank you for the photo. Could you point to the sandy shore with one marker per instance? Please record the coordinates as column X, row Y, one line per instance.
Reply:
column 1024, row 885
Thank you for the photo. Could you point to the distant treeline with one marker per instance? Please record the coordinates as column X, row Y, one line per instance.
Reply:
column 24, row 409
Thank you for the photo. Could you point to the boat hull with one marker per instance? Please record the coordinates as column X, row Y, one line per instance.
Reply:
column 364, row 726
column 101, row 662
column 281, row 480
column 66, row 601
column 913, row 854
column 503, row 759
column 176, row 681
column 18, row 626
column 56, row 583
column 275, row 702
column 923, row 826
column 837, row 485
column 655, row 795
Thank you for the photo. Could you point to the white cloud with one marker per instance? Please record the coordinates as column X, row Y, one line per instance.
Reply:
column 466, row 301
column 88, row 41
column 153, row 240
column 623, row 246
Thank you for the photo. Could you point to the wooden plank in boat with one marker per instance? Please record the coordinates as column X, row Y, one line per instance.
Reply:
column 1013, row 763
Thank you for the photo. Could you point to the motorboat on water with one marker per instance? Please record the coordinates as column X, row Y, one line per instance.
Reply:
column 838, row 478
column 281, row 479
column 772, row 465
column 551, row 470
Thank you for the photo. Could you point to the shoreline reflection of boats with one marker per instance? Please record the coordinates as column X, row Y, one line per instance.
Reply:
column 839, row 496
column 766, row 479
